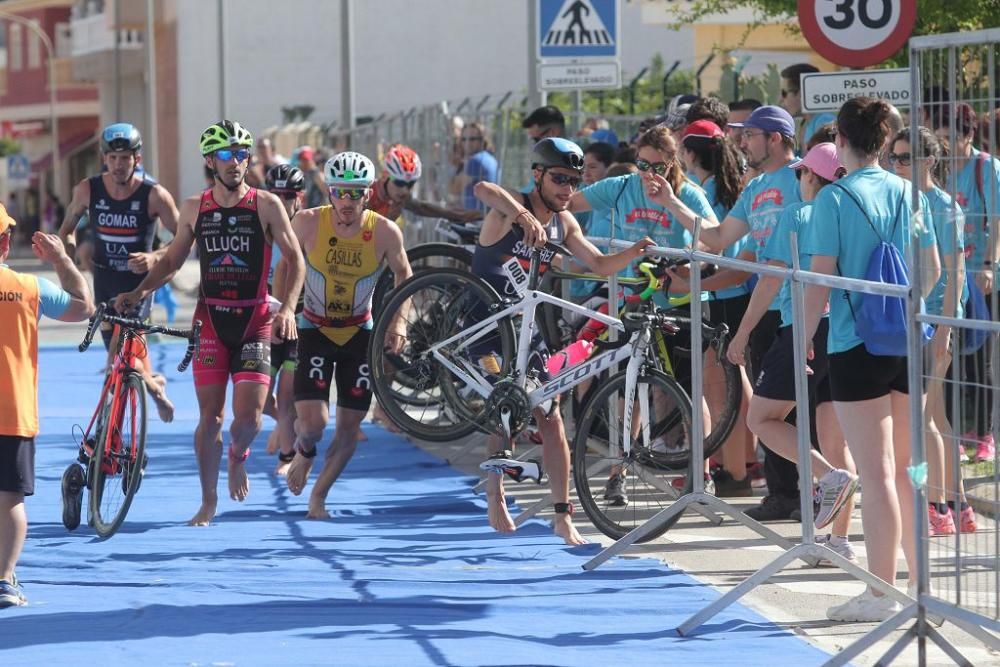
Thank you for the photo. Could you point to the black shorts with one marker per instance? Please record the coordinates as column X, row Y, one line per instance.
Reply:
column 321, row 361
column 17, row 464
column 857, row 375
column 730, row 311
column 776, row 379
column 108, row 284
column 283, row 356
column 762, row 338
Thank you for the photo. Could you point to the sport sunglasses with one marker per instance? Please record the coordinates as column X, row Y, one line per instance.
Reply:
column 354, row 194
column 399, row 183
column 227, row 154
column 563, row 179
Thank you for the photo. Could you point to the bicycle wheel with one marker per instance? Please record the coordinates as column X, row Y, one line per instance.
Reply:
column 116, row 474
column 417, row 391
column 422, row 258
column 599, row 454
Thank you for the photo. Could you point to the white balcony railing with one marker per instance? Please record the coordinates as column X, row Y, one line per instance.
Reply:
column 91, row 34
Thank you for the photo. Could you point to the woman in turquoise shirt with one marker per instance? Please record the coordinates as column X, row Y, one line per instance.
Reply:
column 946, row 299
column 870, row 393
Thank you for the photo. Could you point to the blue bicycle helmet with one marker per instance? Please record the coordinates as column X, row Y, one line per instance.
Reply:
column 557, row 152
column 121, row 137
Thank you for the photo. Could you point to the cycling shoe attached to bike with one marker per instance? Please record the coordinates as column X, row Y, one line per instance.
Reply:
column 503, row 463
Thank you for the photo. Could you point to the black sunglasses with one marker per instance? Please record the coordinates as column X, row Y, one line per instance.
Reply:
column 563, row 179
column 659, row 168
column 399, row 183
column 903, row 159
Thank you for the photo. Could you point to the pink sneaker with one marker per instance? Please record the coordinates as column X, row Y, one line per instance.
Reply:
column 966, row 520
column 940, row 524
column 985, row 449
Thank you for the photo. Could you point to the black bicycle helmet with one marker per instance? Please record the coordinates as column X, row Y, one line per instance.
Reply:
column 557, row 152
column 121, row 137
column 285, row 178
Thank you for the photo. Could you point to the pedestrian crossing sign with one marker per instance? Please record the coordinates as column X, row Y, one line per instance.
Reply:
column 578, row 28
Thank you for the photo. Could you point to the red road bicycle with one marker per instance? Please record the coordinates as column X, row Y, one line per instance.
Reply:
column 113, row 446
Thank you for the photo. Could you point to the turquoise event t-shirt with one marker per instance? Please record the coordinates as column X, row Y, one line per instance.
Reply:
column 949, row 228
column 839, row 229
column 975, row 205
column 794, row 219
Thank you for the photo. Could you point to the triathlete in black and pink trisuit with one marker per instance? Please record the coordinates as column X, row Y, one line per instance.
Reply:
column 235, row 255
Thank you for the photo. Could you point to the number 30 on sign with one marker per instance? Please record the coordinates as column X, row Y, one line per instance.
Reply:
column 857, row 33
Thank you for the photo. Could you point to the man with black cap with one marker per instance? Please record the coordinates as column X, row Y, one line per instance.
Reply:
column 768, row 141
column 23, row 300
column 544, row 122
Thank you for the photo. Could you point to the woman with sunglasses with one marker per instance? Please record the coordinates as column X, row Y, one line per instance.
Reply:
column 345, row 247
column 947, row 298
column 234, row 226
column 393, row 192
column 557, row 165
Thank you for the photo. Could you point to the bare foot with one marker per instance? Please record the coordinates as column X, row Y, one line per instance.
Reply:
column 562, row 525
column 500, row 519
column 204, row 516
column 282, row 468
column 272, row 443
column 239, row 483
column 361, row 436
column 380, row 417
column 298, row 472
column 317, row 510
column 164, row 407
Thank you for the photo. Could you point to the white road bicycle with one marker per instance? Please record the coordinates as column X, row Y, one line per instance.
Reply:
column 464, row 370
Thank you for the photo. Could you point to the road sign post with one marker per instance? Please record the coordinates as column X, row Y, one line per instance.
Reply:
column 577, row 44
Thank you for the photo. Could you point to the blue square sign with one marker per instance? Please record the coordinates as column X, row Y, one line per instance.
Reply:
column 577, row 28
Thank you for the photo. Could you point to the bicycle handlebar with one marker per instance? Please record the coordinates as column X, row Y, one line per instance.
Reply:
column 138, row 326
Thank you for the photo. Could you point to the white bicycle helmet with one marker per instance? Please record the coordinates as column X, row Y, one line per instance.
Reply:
column 349, row 169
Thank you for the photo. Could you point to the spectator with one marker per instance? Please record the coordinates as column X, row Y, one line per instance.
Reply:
column 597, row 157
column 791, row 100
column 709, row 108
column 544, row 122
column 989, row 132
column 895, row 126
column 315, row 193
column 479, row 165
column 869, row 392
column 739, row 111
column 30, row 298
column 604, row 135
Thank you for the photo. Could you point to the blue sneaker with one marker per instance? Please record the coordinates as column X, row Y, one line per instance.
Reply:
column 11, row 594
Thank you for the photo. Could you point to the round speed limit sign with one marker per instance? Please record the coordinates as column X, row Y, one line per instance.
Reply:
column 857, row 33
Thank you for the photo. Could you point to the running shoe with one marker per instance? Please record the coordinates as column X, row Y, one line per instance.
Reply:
column 11, row 594
column 966, row 519
column 940, row 523
column 73, row 482
column 864, row 608
column 680, row 482
column 835, row 489
column 844, row 549
column 985, row 449
column 773, row 508
column 614, row 491
column 518, row 471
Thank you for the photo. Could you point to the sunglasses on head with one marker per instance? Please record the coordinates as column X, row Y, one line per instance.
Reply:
column 227, row 154
column 902, row 159
column 659, row 168
column 563, row 179
column 399, row 183
column 354, row 194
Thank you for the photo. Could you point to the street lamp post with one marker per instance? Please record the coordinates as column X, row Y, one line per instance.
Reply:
column 54, row 132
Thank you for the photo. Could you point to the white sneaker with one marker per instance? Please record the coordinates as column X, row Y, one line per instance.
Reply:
column 864, row 608
column 933, row 619
column 844, row 549
column 835, row 489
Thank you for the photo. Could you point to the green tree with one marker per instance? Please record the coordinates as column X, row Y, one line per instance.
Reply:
column 933, row 16
column 9, row 146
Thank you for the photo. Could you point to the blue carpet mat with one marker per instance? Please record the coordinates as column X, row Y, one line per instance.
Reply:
column 406, row 573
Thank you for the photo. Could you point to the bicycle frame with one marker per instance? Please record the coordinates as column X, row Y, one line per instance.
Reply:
column 123, row 363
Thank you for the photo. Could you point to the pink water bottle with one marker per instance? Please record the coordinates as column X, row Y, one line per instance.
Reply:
column 571, row 354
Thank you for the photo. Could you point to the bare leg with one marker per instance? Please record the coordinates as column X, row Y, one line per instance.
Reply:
column 766, row 418
column 733, row 452
column 284, row 432
column 868, row 427
column 345, row 440
column 500, row 519
column 938, row 463
column 379, row 416
column 248, row 405
column 555, row 455
column 831, row 442
column 904, row 487
column 309, row 426
column 208, row 449
column 13, row 531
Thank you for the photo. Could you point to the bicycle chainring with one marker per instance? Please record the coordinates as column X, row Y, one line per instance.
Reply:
column 507, row 409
